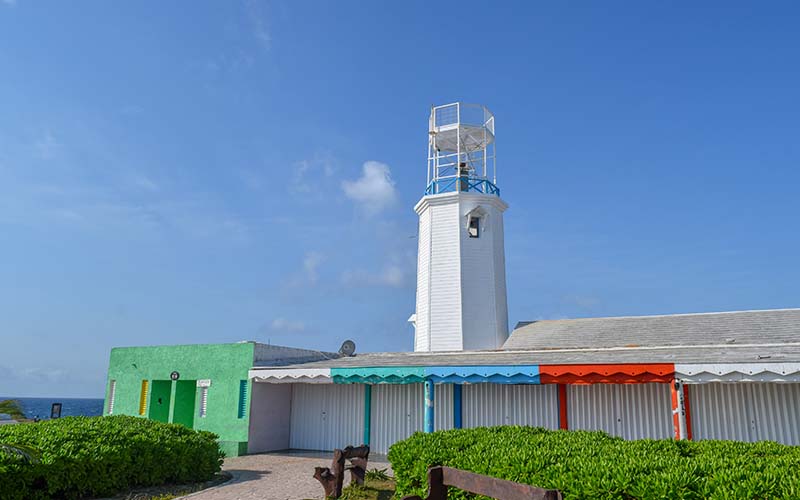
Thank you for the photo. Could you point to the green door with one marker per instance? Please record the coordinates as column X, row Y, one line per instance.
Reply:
column 184, row 402
column 159, row 400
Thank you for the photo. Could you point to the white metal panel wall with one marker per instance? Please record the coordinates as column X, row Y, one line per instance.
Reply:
column 592, row 408
column 443, row 407
column 746, row 411
column 720, row 411
column 534, row 405
column 397, row 412
column 646, row 411
column 503, row 404
column 630, row 411
column 777, row 412
column 483, row 405
column 327, row 416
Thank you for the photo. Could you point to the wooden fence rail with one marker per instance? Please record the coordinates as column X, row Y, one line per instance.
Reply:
column 440, row 478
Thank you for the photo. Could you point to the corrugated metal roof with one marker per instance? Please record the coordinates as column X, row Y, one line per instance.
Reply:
column 737, row 327
column 762, row 353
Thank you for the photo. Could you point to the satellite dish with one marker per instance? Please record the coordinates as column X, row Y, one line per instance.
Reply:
column 348, row 348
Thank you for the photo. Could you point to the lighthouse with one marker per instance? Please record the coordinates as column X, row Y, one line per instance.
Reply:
column 461, row 278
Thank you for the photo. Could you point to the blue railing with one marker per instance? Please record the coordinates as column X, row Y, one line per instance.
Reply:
column 463, row 184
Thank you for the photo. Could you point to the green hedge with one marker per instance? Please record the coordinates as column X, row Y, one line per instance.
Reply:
column 99, row 456
column 593, row 465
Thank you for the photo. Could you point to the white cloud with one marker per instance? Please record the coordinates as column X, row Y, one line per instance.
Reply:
column 311, row 262
column 391, row 275
column 285, row 325
column 258, row 24
column 374, row 191
column 306, row 174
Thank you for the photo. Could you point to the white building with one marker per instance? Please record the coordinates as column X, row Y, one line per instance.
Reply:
column 733, row 375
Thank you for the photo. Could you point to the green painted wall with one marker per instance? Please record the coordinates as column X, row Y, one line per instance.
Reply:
column 224, row 364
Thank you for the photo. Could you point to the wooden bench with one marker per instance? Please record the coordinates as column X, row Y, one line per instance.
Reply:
column 440, row 478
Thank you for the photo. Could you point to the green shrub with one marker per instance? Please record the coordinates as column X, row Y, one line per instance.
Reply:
column 100, row 456
column 592, row 465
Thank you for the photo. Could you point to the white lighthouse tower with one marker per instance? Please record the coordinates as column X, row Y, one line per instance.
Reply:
column 461, row 277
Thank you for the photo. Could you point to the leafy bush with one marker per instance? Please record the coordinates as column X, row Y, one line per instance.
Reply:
column 586, row 464
column 100, row 456
column 377, row 475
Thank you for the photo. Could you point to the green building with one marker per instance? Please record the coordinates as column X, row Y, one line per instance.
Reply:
column 202, row 386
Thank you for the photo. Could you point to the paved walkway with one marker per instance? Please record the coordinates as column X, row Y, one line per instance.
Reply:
column 275, row 476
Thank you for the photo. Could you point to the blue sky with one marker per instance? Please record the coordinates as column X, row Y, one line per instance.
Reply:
column 192, row 172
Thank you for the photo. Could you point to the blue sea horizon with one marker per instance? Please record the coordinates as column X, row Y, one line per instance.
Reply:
column 70, row 407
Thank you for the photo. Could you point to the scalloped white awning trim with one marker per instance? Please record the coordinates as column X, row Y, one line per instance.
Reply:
column 292, row 376
column 738, row 372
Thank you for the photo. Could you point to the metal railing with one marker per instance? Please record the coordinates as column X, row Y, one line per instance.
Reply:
column 462, row 184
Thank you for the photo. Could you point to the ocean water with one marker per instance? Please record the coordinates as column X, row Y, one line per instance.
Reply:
column 70, row 407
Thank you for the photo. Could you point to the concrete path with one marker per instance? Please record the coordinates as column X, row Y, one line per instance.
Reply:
column 275, row 476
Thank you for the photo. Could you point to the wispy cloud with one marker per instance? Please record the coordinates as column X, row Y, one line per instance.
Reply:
column 145, row 183
column 47, row 146
column 36, row 374
column 251, row 178
column 374, row 191
column 258, row 23
column 306, row 174
column 311, row 262
column 10, row 2
column 286, row 325
column 391, row 275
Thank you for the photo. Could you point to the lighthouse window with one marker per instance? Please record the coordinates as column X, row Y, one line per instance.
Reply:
column 474, row 228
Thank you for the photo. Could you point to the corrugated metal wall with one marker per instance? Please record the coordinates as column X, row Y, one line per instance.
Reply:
column 631, row 411
column 503, row 404
column 777, row 412
column 327, row 416
column 443, row 407
column 397, row 412
column 746, row 411
column 592, row 408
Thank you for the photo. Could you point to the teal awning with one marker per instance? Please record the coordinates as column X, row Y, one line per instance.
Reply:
column 379, row 375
